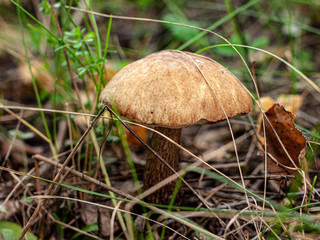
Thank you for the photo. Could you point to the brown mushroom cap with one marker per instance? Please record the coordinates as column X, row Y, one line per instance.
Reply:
column 168, row 89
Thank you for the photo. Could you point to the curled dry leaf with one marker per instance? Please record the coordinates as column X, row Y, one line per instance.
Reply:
column 292, row 140
column 291, row 102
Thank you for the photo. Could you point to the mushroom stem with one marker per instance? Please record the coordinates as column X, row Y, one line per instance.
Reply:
column 155, row 170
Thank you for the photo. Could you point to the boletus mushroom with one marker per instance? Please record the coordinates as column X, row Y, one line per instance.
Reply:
column 172, row 89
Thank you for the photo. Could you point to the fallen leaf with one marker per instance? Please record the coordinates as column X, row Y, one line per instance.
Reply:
column 291, row 102
column 292, row 140
column 11, row 208
column 266, row 102
column 141, row 132
column 90, row 215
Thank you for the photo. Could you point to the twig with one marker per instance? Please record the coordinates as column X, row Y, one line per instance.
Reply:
column 67, row 58
column 48, row 192
column 160, row 158
column 73, row 228
column 175, row 217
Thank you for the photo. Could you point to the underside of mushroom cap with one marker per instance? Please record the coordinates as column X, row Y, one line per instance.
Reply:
column 175, row 89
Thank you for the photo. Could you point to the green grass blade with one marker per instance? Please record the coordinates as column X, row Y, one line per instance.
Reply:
column 317, row 88
column 35, row 87
column 219, row 22
column 104, row 59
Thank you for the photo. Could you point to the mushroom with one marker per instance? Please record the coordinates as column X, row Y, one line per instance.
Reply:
column 172, row 89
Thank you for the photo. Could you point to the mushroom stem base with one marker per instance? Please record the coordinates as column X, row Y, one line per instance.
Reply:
column 156, row 171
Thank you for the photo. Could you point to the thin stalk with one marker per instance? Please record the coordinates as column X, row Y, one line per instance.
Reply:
column 292, row 49
column 35, row 87
column 108, row 182
column 57, row 177
column 237, row 29
column 311, row 192
column 125, row 145
column 96, row 30
column 313, row 144
column 67, row 58
column 172, row 200
column 218, row 23
column 54, row 100
column 104, row 59
column 282, row 21
column 308, row 80
column 177, row 175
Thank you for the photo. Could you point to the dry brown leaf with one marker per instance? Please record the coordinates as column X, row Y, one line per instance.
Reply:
column 266, row 102
column 291, row 102
column 90, row 215
column 290, row 137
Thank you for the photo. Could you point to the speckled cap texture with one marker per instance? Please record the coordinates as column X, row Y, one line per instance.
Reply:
column 176, row 89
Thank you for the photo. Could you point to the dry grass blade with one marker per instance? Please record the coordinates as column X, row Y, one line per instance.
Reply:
column 223, row 165
column 30, row 127
column 120, row 193
column 50, row 188
column 107, row 207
